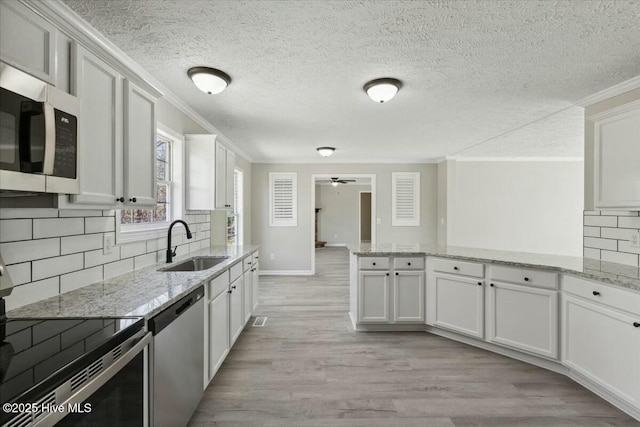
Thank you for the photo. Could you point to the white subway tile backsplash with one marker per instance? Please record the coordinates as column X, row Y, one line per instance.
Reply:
column 78, row 279
column 620, row 213
column 28, row 213
column 594, row 242
column 28, row 250
column 144, row 260
column 12, row 230
column 601, row 221
column 76, row 213
column 20, row 273
column 55, row 227
column 132, row 249
column 93, row 258
column 100, row 224
column 616, row 233
column 81, row 243
column 32, row 292
column 629, row 222
column 56, row 266
column 591, row 231
column 591, row 253
column 619, row 257
column 625, row 246
column 592, row 212
column 117, row 268
column 108, row 213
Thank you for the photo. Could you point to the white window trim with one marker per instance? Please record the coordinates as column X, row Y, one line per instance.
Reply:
column 143, row 232
column 293, row 176
column 415, row 221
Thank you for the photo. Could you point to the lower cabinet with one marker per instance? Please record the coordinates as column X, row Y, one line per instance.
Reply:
column 255, row 271
column 457, row 303
column 247, row 297
column 522, row 317
column 236, row 317
column 373, row 294
column 218, row 331
column 408, row 296
column 603, row 345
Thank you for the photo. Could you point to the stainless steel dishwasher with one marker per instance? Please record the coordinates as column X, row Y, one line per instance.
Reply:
column 178, row 360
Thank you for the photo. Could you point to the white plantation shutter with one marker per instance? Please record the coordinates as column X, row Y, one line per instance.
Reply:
column 283, row 199
column 405, row 195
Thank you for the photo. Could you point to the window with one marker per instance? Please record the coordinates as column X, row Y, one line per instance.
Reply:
column 283, row 199
column 405, row 198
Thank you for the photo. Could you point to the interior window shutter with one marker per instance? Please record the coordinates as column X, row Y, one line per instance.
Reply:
column 405, row 203
column 283, row 199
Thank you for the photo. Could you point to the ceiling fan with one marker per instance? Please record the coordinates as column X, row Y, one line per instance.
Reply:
column 336, row 180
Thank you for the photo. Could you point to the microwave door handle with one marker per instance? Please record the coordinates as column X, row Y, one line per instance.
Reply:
column 28, row 110
column 49, row 139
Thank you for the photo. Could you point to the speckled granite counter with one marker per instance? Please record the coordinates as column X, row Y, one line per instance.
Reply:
column 144, row 292
column 607, row 272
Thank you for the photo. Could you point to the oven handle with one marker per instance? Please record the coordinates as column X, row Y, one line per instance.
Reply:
column 49, row 139
column 92, row 386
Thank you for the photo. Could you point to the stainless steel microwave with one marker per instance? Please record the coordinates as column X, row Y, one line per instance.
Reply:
column 39, row 146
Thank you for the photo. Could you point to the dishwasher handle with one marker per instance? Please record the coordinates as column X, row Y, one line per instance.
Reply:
column 175, row 310
column 184, row 306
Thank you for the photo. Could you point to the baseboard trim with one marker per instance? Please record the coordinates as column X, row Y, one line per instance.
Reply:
column 286, row 273
column 605, row 394
column 398, row 327
column 335, row 245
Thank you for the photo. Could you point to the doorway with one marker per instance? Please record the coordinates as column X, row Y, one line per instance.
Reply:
column 365, row 217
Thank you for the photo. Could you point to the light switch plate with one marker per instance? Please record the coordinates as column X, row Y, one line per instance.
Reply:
column 635, row 239
column 107, row 244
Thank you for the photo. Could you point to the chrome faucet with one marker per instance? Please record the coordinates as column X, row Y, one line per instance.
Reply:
column 172, row 253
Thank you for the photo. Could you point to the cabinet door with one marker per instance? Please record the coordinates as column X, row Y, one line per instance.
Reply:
column 459, row 304
column 221, row 176
column 139, row 147
column 99, row 88
column 218, row 332
column 408, row 296
column 256, row 278
column 27, row 41
column 603, row 345
column 236, row 319
column 200, row 172
column 373, row 296
column 230, row 165
column 524, row 318
column 247, row 288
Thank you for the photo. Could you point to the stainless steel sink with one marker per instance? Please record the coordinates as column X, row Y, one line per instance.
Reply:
column 196, row 263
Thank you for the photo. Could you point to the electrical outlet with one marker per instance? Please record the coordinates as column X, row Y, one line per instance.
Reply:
column 272, row 256
column 635, row 239
column 107, row 244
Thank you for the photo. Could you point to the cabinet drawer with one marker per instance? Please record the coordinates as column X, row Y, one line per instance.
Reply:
column 597, row 292
column 218, row 285
column 236, row 271
column 464, row 268
column 247, row 262
column 374, row 263
column 408, row 263
column 523, row 276
column 255, row 257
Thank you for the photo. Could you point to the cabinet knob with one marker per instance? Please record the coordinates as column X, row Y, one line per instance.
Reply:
column 133, row 200
column 120, row 199
column 491, row 285
column 374, row 263
column 596, row 293
column 526, row 279
column 396, row 273
column 233, row 287
column 455, row 268
column 387, row 274
column 479, row 283
column 636, row 324
column 408, row 263
column 229, row 292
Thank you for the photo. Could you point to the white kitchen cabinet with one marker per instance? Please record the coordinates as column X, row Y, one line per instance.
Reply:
column 616, row 153
column 523, row 317
column 603, row 345
column 256, row 278
column 224, row 180
column 200, row 172
column 118, row 132
column 247, row 297
column 28, row 41
column 373, row 296
column 219, row 341
column 236, row 305
column 408, row 296
column 457, row 303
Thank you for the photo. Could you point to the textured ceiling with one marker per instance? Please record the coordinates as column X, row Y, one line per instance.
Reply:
column 472, row 71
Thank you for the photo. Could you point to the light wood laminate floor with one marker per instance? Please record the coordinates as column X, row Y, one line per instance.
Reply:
column 307, row 367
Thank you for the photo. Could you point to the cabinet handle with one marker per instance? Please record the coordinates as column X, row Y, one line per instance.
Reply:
column 133, row 200
column 491, row 285
column 455, row 268
column 120, row 199
column 479, row 283
column 233, row 287
column 374, row 263
column 387, row 274
column 229, row 292
column 408, row 263
column 636, row 324
column 526, row 279
column 396, row 273
column 596, row 293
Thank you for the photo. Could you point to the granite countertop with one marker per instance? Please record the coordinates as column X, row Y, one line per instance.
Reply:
column 616, row 274
column 140, row 293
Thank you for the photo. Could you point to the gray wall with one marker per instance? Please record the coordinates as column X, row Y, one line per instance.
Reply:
column 339, row 219
column 291, row 246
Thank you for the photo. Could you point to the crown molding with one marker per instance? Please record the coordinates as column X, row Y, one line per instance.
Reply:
column 516, row 159
column 620, row 88
column 81, row 31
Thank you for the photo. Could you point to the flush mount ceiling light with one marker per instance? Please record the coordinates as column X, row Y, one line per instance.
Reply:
column 209, row 80
column 382, row 90
column 325, row 151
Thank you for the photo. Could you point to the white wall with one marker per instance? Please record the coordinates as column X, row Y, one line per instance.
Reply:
column 527, row 206
column 339, row 219
column 291, row 246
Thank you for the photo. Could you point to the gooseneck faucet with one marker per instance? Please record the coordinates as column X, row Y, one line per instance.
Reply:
column 172, row 253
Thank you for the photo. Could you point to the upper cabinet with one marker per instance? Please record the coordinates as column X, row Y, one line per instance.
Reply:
column 118, row 131
column 616, row 154
column 225, row 163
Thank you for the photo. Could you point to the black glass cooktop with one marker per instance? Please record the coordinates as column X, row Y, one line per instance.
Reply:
column 36, row 354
